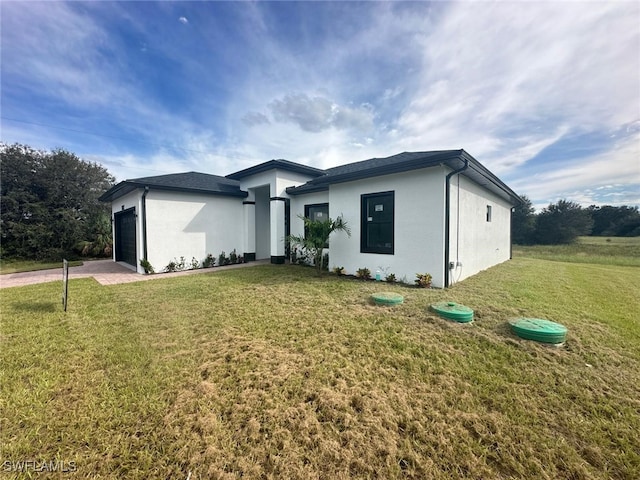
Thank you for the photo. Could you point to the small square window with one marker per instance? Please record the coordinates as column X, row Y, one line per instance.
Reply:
column 488, row 213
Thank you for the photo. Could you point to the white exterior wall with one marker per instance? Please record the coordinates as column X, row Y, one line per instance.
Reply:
column 132, row 199
column 260, row 180
column 418, row 225
column 191, row 225
column 286, row 179
column 474, row 243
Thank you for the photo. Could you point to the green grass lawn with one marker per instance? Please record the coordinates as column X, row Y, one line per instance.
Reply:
column 16, row 266
column 272, row 372
column 624, row 251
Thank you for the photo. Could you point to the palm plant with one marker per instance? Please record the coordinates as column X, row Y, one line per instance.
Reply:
column 316, row 237
column 102, row 239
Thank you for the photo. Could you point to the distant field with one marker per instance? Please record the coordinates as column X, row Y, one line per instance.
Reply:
column 623, row 251
column 272, row 372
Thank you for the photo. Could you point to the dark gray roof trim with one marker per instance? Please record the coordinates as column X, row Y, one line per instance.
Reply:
column 408, row 161
column 279, row 164
column 181, row 182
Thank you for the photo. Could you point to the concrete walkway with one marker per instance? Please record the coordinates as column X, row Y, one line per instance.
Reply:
column 105, row 272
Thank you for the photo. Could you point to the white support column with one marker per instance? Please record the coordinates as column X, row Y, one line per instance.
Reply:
column 249, row 230
column 277, row 229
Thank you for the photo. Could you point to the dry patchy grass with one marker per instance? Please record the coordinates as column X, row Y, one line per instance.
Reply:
column 271, row 372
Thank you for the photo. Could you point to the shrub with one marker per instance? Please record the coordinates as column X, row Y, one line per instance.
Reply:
column 148, row 268
column 423, row 280
column 176, row 265
column 303, row 257
column 363, row 273
column 338, row 270
column 390, row 278
column 209, row 261
column 223, row 259
column 233, row 257
column 194, row 263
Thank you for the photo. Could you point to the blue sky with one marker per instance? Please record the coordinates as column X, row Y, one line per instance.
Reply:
column 545, row 94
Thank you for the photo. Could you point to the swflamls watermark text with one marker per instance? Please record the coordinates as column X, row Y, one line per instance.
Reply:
column 39, row 466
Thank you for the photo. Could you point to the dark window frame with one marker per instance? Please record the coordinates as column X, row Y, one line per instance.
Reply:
column 309, row 206
column 307, row 209
column 364, row 223
column 489, row 212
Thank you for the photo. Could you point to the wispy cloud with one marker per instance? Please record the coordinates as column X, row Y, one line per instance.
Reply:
column 611, row 177
column 503, row 71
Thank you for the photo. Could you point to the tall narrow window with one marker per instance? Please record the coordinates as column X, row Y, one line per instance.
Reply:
column 377, row 218
column 488, row 213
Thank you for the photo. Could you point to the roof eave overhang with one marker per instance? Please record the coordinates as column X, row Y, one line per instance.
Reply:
column 485, row 178
column 276, row 165
column 452, row 159
column 322, row 184
column 126, row 187
column 303, row 189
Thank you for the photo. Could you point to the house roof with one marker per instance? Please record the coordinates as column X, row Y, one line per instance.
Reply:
column 407, row 161
column 279, row 164
column 374, row 167
column 184, row 182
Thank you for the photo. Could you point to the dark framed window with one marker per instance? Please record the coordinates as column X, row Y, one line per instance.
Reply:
column 377, row 223
column 317, row 212
column 488, row 213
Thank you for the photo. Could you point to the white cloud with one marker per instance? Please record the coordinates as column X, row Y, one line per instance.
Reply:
column 317, row 114
column 183, row 20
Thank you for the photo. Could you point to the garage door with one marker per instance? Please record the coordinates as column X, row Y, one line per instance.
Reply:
column 125, row 241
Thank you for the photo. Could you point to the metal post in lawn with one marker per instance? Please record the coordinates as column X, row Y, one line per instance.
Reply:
column 65, row 283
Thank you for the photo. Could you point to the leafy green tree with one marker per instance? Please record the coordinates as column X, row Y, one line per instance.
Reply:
column 615, row 221
column 49, row 202
column 523, row 222
column 316, row 237
column 562, row 223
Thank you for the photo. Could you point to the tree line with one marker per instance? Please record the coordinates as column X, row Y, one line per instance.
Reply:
column 50, row 207
column 564, row 221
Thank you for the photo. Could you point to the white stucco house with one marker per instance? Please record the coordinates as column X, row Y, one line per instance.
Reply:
column 440, row 212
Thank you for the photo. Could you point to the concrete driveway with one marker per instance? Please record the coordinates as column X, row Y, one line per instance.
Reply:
column 105, row 272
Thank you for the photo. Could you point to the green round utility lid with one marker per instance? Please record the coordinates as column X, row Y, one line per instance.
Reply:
column 387, row 298
column 453, row 311
column 540, row 330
